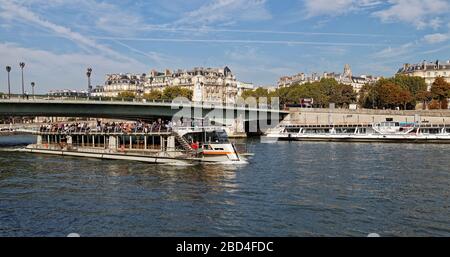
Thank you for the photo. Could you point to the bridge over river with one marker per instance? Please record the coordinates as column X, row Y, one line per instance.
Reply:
column 142, row 110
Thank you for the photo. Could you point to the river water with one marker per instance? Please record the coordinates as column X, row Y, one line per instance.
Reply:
column 287, row 189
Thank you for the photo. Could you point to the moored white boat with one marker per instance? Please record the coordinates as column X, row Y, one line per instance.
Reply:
column 378, row 132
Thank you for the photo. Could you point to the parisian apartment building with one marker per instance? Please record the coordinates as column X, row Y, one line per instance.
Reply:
column 346, row 77
column 427, row 70
column 215, row 85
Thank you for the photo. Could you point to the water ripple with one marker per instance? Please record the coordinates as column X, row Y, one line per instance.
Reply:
column 288, row 189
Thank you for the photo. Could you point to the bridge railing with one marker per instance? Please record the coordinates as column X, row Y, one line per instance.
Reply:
column 209, row 104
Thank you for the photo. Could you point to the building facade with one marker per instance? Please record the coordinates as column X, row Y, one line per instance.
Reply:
column 427, row 70
column 243, row 86
column 216, row 85
column 116, row 83
column 345, row 78
column 67, row 93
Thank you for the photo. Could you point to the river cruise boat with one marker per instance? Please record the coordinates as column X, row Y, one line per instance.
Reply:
column 388, row 131
column 177, row 145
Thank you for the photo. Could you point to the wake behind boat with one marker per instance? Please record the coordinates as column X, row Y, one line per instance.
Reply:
column 388, row 131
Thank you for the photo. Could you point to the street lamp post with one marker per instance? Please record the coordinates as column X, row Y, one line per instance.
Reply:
column 8, row 69
column 22, row 65
column 88, row 74
column 32, row 88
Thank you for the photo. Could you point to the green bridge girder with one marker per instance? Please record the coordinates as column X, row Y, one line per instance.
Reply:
column 133, row 110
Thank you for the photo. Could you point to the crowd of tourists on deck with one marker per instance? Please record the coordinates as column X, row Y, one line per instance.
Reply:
column 109, row 127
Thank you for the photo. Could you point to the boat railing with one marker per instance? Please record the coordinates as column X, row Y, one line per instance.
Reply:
column 104, row 130
column 241, row 148
column 195, row 128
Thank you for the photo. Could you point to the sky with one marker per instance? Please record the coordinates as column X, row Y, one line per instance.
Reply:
column 259, row 40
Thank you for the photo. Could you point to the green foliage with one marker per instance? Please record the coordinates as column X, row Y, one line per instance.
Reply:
column 126, row 95
column 440, row 91
column 256, row 93
column 173, row 92
column 154, row 94
column 393, row 95
column 413, row 84
column 400, row 91
column 434, row 104
column 323, row 92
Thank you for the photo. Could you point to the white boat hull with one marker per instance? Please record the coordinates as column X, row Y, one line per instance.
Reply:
column 135, row 157
column 408, row 138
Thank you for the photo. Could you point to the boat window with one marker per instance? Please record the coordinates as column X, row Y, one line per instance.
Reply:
column 217, row 136
column 212, row 136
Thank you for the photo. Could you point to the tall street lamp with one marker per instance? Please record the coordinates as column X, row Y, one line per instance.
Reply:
column 8, row 69
column 22, row 65
column 88, row 74
column 32, row 88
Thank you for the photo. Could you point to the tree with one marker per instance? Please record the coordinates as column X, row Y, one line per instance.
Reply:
column 256, row 93
column 440, row 90
column 342, row 95
column 412, row 83
column 172, row 92
column 434, row 104
column 404, row 97
column 126, row 95
column 424, row 97
column 154, row 94
column 391, row 95
column 367, row 96
column 282, row 94
column 323, row 92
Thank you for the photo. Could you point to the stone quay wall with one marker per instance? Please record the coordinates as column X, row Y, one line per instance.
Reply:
column 322, row 116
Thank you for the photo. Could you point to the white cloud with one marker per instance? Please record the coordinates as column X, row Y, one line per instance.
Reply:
column 436, row 38
column 60, row 71
column 228, row 11
column 336, row 7
column 242, row 41
column 13, row 11
column 390, row 52
column 420, row 13
column 98, row 14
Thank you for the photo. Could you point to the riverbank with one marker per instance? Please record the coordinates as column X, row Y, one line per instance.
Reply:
column 323, row 116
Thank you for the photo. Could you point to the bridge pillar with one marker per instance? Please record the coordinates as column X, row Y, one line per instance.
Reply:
column 237, row 128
